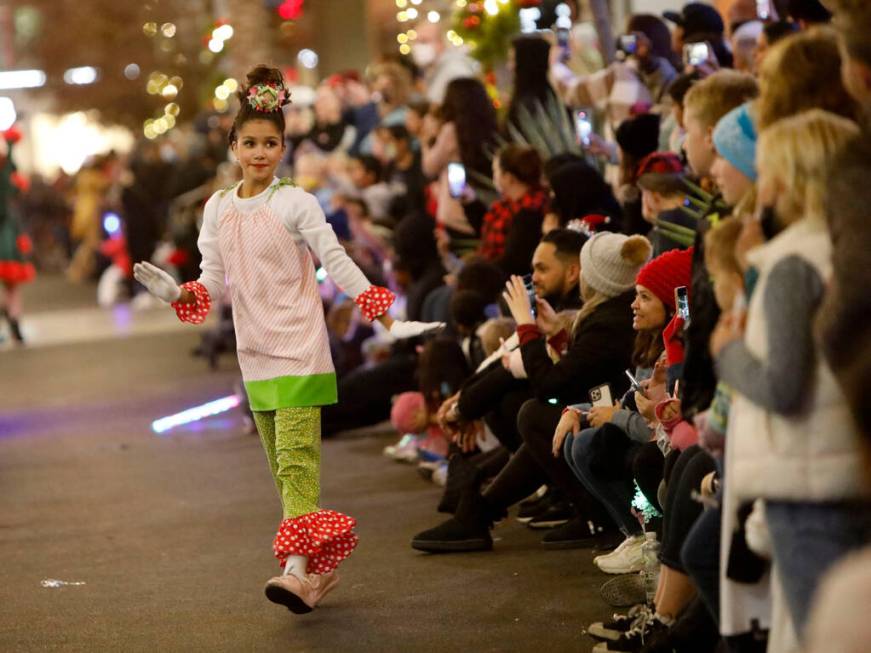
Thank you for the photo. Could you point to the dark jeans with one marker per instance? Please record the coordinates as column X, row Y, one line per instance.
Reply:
column 495, row 396
column 614, row 494
column 700, row 555
column 681, row 510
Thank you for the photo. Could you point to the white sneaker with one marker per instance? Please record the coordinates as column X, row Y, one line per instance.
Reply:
column 440, row 475
column 629, row 539
column 405, row 450
column 625, row 559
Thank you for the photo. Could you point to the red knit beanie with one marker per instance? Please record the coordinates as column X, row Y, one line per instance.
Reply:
column 667, row 272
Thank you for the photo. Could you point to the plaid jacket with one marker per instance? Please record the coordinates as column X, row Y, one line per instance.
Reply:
column 498, row 220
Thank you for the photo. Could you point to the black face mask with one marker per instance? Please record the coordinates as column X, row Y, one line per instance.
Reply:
column 768, row 222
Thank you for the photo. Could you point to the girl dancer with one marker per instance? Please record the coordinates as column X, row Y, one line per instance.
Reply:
column 256, row 235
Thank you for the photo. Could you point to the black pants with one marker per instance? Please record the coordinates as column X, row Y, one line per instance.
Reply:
column 534, row 464
column 365, row 395
column 496, row 396
column 681, row 510
column 647, row 469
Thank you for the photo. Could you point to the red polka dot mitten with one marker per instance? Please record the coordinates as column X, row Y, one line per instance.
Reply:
column 196, row 312
column 375, row 301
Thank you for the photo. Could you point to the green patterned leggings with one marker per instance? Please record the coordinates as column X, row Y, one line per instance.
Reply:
column 291, row 438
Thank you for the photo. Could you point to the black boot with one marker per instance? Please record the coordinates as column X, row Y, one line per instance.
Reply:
column 468, row 530
column 462, row 474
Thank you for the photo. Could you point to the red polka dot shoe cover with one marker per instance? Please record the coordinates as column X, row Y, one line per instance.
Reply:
column 325, row 537
column 375, row 301
column 194, row 313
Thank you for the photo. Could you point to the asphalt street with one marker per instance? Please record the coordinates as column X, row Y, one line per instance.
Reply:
column 170, row 536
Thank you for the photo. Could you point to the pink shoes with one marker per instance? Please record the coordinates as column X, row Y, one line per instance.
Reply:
column 300, row 595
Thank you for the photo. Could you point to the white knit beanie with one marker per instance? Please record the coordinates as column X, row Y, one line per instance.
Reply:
column 610, row 262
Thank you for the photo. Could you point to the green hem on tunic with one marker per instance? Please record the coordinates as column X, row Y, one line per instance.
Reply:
column 292, row 391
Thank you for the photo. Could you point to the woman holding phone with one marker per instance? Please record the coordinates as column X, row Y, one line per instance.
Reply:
column 617, row 433
column 462, row 130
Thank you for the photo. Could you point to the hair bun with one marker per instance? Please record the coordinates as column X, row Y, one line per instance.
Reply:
column 265, row 91
column 264, row 74
column 636, row 250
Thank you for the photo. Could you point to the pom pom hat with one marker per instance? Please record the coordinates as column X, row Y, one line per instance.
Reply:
column 667, row 272
column 610, row 262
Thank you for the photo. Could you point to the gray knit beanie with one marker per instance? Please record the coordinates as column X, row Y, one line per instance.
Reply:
column 610, row 262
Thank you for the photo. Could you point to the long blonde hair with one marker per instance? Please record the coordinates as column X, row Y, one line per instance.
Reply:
column 592, row 300
column 797, row 151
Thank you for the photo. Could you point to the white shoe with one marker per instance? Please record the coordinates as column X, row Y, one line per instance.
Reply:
column 440, row 474
column 625, row 559
column 405, row 450
column 626, row 542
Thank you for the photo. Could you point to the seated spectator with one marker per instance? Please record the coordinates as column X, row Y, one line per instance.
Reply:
column 596, row 352
column 405, row 171
column 465, row 129
column 599, row 454
column 330, row 133
column 366, row 174
column 580, row 197
column 510, row 230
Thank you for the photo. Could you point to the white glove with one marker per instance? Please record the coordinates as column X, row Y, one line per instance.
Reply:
column 158, row 282
column 402, row 330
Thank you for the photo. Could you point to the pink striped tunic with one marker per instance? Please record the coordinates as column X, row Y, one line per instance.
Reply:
column 259, row 246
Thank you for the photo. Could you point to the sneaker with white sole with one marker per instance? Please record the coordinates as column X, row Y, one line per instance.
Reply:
column 634, row 640
column 619, row 623
column 628, row 540
column 625, row 559
column 440, row 474
column 405, row 450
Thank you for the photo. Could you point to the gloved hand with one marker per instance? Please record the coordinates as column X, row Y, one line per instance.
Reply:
column 402, row 330
column 158, row 282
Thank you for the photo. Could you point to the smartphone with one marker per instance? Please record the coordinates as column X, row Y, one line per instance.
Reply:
column 682, row 301
column 695, row 54
column 530, row 290
column 634, row 383
column 600, row 396
column 456, row 179
column 583, row 127
column 763, row 9
column 629, row 43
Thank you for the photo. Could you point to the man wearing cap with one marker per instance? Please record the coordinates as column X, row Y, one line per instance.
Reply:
column 699, row 23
